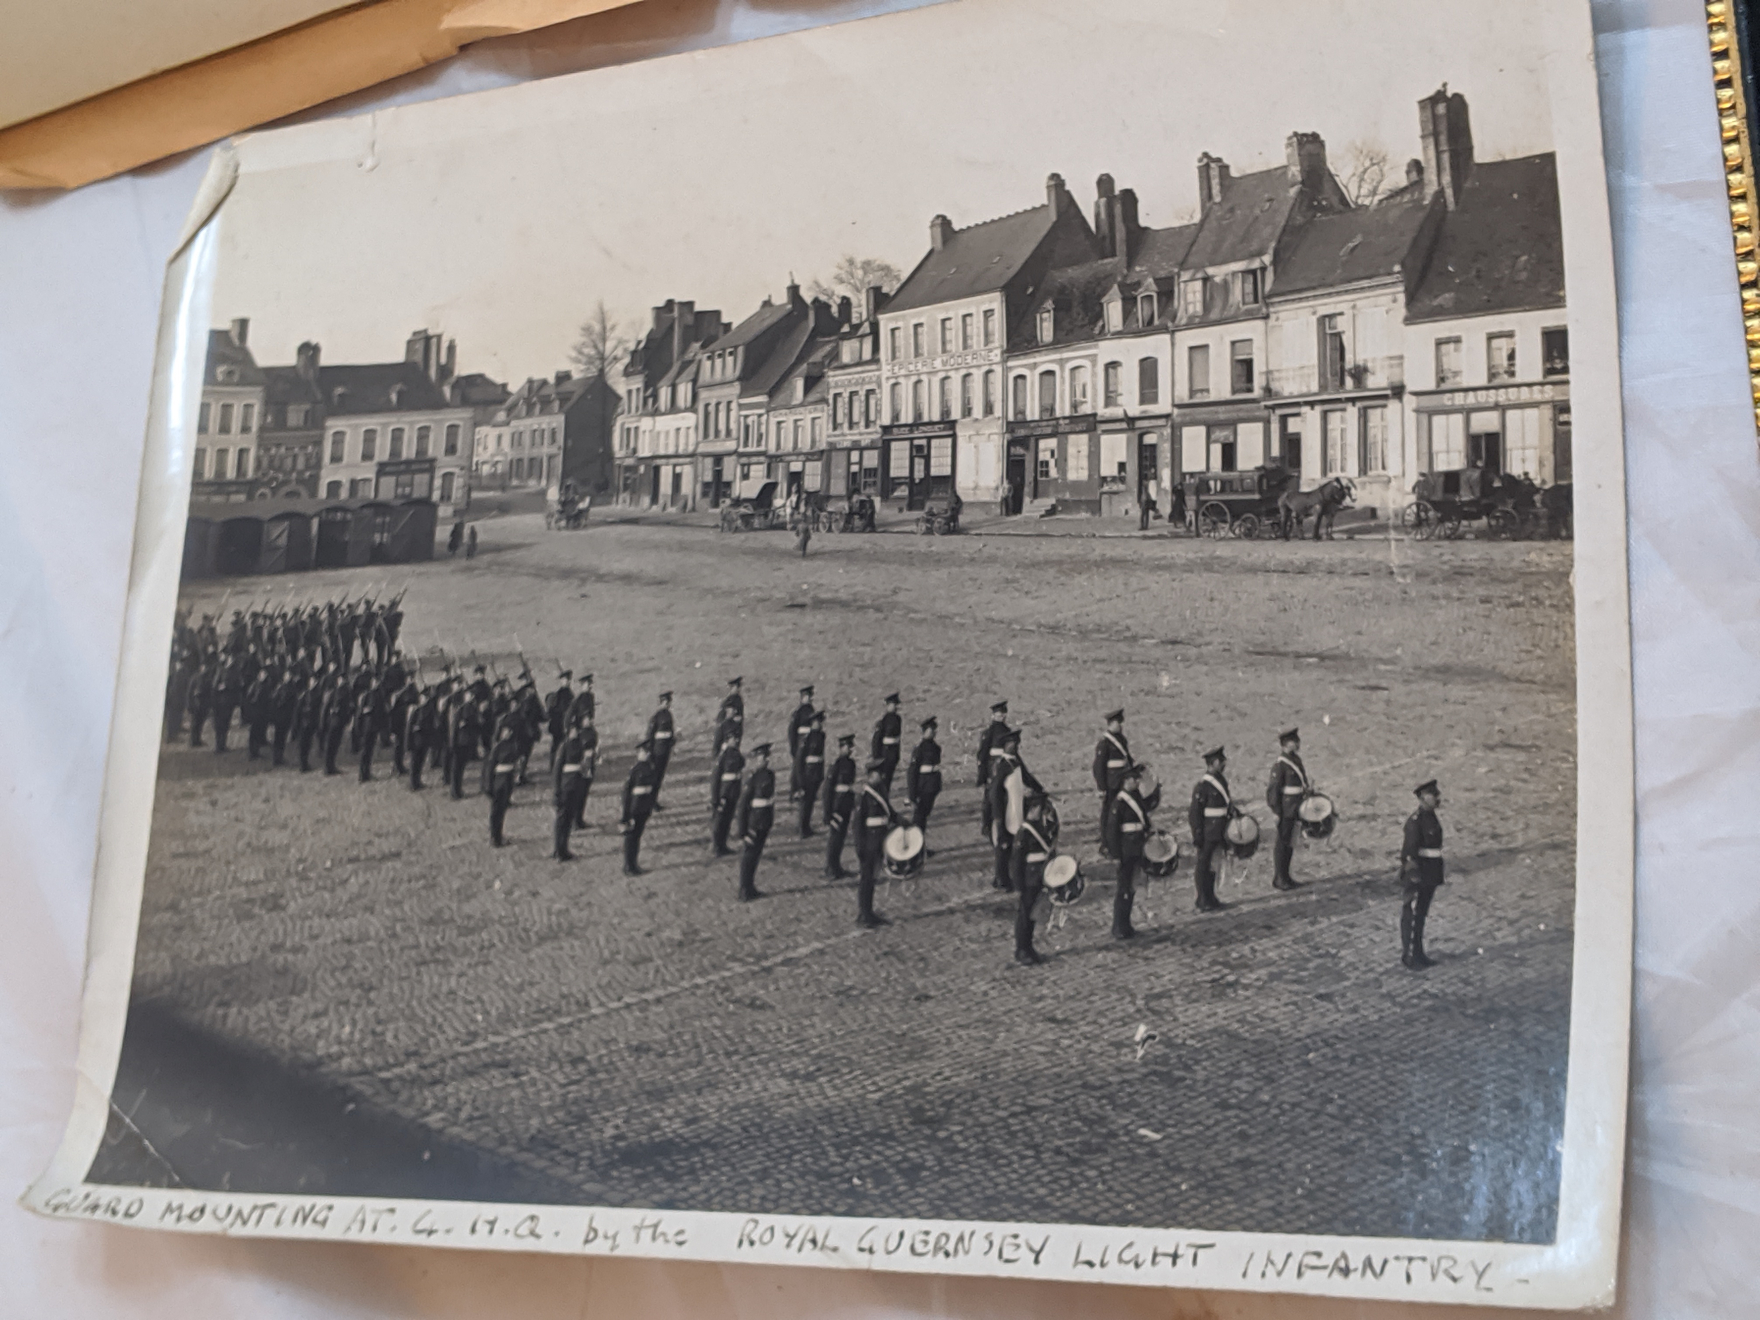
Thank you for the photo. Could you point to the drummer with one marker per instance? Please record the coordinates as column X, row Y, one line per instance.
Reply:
column 874, row 819
column 1032, row 851
column 1209, row 816
column 1127, row 830
column 1289, row 787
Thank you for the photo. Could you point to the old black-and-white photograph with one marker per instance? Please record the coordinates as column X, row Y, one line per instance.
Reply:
column 966, row 617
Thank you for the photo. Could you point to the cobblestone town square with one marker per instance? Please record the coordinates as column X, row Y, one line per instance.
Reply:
column 650, row 1041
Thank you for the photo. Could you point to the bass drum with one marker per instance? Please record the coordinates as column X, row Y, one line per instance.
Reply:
column 904, row 852
column 1063, row 880
column 1242, row 836
column 1160, row 854
column 1318, row 816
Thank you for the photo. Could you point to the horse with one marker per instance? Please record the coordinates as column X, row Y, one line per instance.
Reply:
column 1324, row 502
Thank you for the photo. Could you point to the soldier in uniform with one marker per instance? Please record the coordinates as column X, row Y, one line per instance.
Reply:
column 989, row 748
column 1112, row 758
column 556, row 713
column 283, row 702
column 334, row 718
column 730, row 718
column 1284, row 795
column 308, row 720
column 887, row 740
column 799, row 725
column 1420, row 872
column 201, row 689
column 1127, row 830
column 369, row 713
column 462, row 739
column 660, row 736
column 405, row 697
column 226, row 694
column 499, row 770
column 257, row 710
column 585, row 704
column 420, row 726
column 840, row 798
column 568, row 791
column 638, row 805
column 589, row 736
column 176, row 693
column 874, row 819
column 809, row 772
column 922, row 778
column 757, row 812
column 1210, row 812
column 1032, row 850
column 724, row 794
column 1003, row 770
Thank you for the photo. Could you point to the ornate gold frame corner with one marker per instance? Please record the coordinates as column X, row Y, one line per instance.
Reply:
column 1738, row 161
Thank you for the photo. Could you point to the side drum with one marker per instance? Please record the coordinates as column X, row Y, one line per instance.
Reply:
column 1064, row 880
column 1242, row 836
column 904, row 852
column 1160, row 854
column 1318, row 816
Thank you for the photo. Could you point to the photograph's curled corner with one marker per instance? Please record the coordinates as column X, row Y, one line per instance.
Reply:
column 216, row 185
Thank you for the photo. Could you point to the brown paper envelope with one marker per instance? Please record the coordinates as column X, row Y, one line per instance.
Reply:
column 253, row 84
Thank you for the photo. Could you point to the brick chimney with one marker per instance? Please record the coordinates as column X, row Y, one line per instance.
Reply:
column 1105, row 215
column 1057, row 195
column 1414, row 172
column 873, row 297
column 940, row 232
column 1128, row 225
column 794, row 295
column 1212, row 178
column 1447, row 135
column 1306, row 153
column 241, row 330
column 684, row 326
column 845, row 310
column 305, row 362
column 450, row 366
column 563, row 377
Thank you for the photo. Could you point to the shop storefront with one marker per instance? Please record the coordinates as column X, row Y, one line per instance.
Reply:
column 917, row 463
column 1060, row 459
column 1523, row 430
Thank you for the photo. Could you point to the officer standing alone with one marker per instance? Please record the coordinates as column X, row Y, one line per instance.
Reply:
column 1420, row 873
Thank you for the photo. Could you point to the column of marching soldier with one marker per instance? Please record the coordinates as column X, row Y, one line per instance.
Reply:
column 309, row 679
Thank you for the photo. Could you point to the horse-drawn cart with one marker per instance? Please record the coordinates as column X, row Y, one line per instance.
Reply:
column 940, row 519
column 760, row 513
column 852, row 514
column 565, row 508
column 1239, row 504
column 1511, row 507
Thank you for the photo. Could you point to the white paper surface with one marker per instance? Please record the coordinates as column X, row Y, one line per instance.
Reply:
column 79, row 281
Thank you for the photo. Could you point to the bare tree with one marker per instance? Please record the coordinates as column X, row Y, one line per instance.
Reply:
column 600, row 343
column 1365, row 172
column 854, row 276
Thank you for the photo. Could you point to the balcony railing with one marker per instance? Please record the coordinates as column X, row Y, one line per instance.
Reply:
column 1376, row 373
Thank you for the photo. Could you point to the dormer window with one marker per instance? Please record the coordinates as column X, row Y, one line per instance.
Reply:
column 1192, row 298
column 1114, row 315
column 397, row 396
column 1047, row 325
column 800, row 389
column 1147, row 313
column 226, row 374
column 1250, row 288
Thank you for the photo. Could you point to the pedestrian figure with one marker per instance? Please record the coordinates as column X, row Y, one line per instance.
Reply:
column 803, row 532
column 470, row 542
column 839, row 801
column 874, row 819
column 1285, row 794
column 1112, row 758
column 660, row 738
column 1211, row 810
column 724, row 794
column 1420, row 873
column 1033, row 849
column 922, row 779
column 989, row 749
column 810, row 770
column 756, row 814
column 498, row 775
column 638, row 805
column 1127, row 830
column 888, row 735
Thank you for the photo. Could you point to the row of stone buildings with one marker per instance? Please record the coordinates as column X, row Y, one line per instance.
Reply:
column 413, row 429
column 1047, row 356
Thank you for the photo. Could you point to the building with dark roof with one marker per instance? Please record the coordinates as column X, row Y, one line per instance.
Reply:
column 392, row 430
column 852, row 378
column 550, row 430
column 227, row 423
column 660, row 370
column 291, row 455
column 944, row 335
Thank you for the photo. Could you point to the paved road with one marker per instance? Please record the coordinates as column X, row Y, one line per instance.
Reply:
column 651, row 1042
